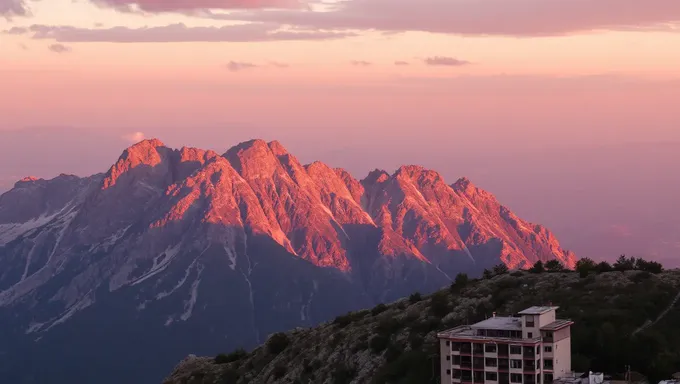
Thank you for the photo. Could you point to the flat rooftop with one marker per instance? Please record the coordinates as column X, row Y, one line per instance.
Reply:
column 500, row 324
column 537, row 310
column 557, row 324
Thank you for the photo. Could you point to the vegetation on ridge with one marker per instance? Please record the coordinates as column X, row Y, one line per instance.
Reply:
column 624, row 314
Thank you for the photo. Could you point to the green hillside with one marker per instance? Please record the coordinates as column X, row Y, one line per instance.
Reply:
column 397, row 343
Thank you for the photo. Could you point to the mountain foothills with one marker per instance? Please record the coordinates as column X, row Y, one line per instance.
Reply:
column 623, row 317
column 183, row 251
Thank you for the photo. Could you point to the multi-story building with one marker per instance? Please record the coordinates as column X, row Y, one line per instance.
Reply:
column 533, row 347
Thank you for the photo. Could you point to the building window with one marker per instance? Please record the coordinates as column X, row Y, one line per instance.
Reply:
column 547, row 348
column 548, row 364
column 538, row 350
column 547, row 378
column 490, row 348
column 456, row 360
column 491, row 376
column 448, row 358
column 455, row 346
column 447, row 343
column 530, row 335
column 530, row 322
column 448, row 372
column 515, row 378
column 515, row 363
column 515, row 350
column 491, row 362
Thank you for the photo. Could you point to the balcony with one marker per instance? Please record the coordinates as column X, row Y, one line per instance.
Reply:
column 466, row 364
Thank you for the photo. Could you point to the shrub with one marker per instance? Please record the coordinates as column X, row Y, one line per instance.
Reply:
column 343, row 374
column 277, row 343
column 279, row 371
column 439, row 304
column 378, row 309
column 603, row 267
column 378, row 343
column 537, row 268
column 234, row 356
column 585, row 266
column 500, row 269
column 414, row 298
column 460, row 282
column 554, row 265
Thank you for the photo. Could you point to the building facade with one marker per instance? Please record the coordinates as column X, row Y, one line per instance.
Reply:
column 533, row 347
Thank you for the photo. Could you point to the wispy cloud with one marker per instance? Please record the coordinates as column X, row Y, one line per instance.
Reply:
column 187, row 6
column 236, row 66
column 522, row 18
column 174, row 33
column 59, row 48
column 401, row 63
column 11, row 8
column 360, row 63
column 445, row 61
column 277, row 64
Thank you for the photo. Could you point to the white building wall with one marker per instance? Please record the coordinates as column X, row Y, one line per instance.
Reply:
column 444, row 351
column 562, row 358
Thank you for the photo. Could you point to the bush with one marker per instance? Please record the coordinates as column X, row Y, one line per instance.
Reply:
column 230, row 358
column 603, row 267
column 537, row 268
column 460, row 282
column 554, row 265
column 378, row 309
column 439, row 304
column 500, row 269
column 414, row 298
column 277, row 343
column 343, row 374
column 585, row 266
column 378, row 343
column 279, row 371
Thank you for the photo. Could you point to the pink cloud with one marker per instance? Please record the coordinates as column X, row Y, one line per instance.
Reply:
column 481, row 17
column 236, row 66
column 401, row 63
column 174, row 33
column 157, row 6
column 10, row 8
column 445, row 61
column 360, row 63
column 59, row 48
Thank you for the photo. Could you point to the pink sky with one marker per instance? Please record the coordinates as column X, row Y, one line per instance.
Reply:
column 451, row 84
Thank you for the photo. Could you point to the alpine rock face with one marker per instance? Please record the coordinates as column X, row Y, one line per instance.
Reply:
column 115, row 277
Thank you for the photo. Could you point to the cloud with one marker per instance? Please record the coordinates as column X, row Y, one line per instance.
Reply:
column 236, row 66
column 521, row 18
column 401, row 63
column 134, row 137
column 360, row 63
column 277, row 64
column 11, row 8
column 184, row 6
column 445, row 61
column 175, row 33
column 59, row 48
column 23, row 46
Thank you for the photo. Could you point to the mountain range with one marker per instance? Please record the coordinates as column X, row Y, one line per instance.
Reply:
column 178, row 251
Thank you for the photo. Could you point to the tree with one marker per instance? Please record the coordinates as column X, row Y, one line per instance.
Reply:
column 500, row 269
column 603, row 267
column 460, row 282
column 585, row 266
column 648, row 266
column 415, row 297
column 277, row 343
column 537, row 268
column 487, row 274
column 624, row 263
column 554, row 265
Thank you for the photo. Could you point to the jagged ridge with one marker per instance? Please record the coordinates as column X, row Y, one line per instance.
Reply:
column 163, row 228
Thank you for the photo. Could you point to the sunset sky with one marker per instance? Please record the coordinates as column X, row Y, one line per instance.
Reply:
column 469, row 87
